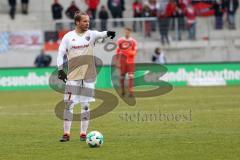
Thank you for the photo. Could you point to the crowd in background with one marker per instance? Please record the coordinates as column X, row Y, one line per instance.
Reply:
column 149, row 16
column 169, row 14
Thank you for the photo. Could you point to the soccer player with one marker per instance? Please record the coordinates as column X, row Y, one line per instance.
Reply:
column 78, row 46
column 126, row 52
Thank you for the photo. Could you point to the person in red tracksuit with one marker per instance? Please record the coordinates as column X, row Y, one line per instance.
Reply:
column 125, row 60
column 171, row 11
column 137, row 12
column 92, row 6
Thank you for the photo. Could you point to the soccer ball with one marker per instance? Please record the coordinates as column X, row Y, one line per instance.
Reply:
column 94, row 139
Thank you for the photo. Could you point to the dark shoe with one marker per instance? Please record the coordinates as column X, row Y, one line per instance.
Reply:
column 65, row 138
column 83, row 137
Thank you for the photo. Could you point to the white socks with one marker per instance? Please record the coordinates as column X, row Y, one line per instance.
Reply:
column 85, row 116
column 68, row 117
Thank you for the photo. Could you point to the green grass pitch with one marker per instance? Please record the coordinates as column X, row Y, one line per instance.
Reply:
column 196, row 124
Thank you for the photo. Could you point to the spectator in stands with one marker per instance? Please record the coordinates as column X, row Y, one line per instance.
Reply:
column 116, row 8
column 162, row 5
column 231, row 7
column 147, row 24
column 171, row 11
column 92, row 6
column 12, row 4
column 25, row 6
column 71, row 10
column 137, row 12
column 43, row 60
column 92, row 10
column 180, row 22
column 103, row 16
column 57, row 13
column 90, row 14
column 218, row 7
column 181, row 4
column 191, row 15
column 159, row 57
column 163, row 22
column 152, row 4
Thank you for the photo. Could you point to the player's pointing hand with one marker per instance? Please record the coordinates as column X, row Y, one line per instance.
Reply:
column 111, row 34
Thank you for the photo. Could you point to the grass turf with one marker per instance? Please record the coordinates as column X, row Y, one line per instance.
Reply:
column 206, row 125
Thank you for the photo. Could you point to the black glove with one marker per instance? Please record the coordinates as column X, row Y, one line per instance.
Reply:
column 62, row 75
column 111, row 34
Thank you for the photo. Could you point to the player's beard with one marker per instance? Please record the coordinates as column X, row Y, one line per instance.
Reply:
column 84, row 28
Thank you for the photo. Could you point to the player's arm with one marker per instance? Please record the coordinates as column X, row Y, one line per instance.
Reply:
column 104, row 34
column 60, row 59
column 118, row 49
column 134, row 48
column 117, row 57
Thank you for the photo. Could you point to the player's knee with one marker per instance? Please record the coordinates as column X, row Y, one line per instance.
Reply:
column 85, row 106
column 69, row 105
column 131, row 76
column 68, row 112
column 85, row 114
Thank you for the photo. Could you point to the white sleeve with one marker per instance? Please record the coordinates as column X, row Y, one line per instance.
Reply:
column 60, row 59
column 61, row 52
column 97, row 35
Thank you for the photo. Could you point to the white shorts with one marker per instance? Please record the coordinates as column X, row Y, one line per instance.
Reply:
column 80, row 91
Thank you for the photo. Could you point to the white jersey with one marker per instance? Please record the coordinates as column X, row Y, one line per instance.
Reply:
column 79, row 50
